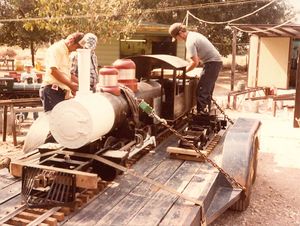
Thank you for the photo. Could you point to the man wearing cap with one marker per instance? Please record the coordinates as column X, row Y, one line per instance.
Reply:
column 199, row 48
column 89, row 41
column 58, row 83
column 28, row 76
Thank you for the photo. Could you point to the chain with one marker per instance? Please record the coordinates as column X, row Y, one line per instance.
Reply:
column 222, row 112
column 146, row 108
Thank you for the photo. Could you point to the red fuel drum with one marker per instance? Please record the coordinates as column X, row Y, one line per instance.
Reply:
column 108, row 80
column 126, row 68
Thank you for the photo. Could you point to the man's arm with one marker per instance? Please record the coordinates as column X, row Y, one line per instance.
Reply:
column 194, row 61
column 74, row 78
column 58, row 75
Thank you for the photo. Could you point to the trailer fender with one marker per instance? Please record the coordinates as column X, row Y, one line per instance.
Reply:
column 240, row 155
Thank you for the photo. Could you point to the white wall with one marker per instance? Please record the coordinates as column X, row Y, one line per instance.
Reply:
column 273, row 62
column 181, row 49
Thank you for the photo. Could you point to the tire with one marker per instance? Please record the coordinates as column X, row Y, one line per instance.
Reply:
column 256, row 148
column 244, row 201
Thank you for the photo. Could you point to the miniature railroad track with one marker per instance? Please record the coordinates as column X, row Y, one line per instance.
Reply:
column 24, row 215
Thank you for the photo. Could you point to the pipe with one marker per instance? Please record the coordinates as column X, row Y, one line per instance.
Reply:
column 84, row 70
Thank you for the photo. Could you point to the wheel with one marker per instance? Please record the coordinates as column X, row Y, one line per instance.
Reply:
column 244, row 201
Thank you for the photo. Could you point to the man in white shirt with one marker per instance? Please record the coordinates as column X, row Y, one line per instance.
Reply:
column 28, row 76
column 58, row 83
column 199, row 48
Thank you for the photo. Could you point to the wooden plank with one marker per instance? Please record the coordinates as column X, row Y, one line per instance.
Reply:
column 32, row 216
column 18, row 221
column 140, row 195
column 185, row 151
column 120, row 188
column 10, row 192
column 9, row 206
column 65, row 210
column 6, row 179
column 199, row 188
column 187, row 157
column 83, row 179
column 59, row 216
column 180, row 212
column 158, row 206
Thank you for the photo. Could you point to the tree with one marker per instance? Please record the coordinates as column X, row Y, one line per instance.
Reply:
column 44, row 20
column 212, row 10
column 105, row 18
column 26, row 34
column 112, row 18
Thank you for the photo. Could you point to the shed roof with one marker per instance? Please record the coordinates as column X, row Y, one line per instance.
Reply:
column 270, row 30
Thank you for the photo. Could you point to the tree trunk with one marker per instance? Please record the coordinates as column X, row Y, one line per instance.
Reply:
column 32, row 52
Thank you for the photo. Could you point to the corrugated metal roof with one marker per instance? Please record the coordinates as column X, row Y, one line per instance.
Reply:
column 270, row 30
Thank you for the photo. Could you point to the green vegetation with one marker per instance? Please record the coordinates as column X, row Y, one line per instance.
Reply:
column 33, row 22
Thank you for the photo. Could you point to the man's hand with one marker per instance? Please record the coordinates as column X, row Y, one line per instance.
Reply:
column 194, row 61
column 74, row 87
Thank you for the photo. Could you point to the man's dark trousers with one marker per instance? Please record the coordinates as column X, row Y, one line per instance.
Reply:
column 206, row 85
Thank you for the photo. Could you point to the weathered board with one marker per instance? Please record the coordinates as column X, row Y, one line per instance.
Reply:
column 130, row 201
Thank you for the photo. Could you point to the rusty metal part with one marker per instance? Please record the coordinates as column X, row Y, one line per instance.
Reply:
column 42, row 187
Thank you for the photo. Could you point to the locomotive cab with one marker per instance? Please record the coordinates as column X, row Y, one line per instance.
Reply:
column 177, row 90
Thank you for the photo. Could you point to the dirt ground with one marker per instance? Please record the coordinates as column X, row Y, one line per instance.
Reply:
column 275, row 198
column 276, row 195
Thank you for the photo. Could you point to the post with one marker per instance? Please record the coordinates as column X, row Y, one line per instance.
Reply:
column 297, row 98
column 233, row 59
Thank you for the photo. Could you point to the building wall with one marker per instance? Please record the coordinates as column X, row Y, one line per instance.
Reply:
column 180, row 49
column 108, row 52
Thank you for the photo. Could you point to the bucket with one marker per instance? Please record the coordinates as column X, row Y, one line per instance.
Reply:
column 241, row 85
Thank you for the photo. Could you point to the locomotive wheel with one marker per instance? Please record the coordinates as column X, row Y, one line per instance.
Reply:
column 244, row 201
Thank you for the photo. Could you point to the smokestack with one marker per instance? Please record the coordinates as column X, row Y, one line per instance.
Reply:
column 84, row 70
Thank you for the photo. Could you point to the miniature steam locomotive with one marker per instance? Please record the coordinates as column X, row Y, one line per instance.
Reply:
column 109, row 123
